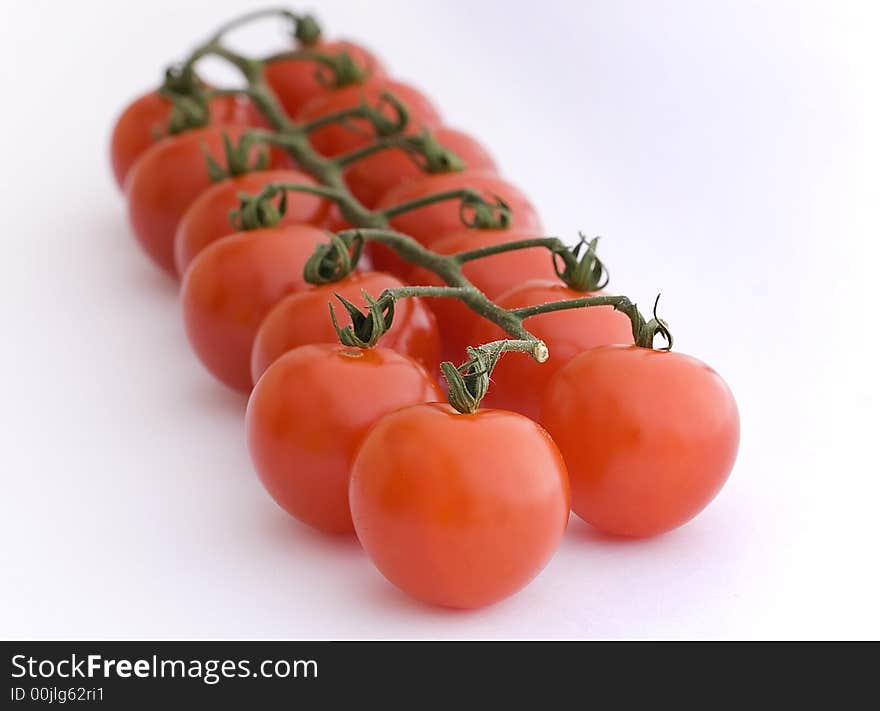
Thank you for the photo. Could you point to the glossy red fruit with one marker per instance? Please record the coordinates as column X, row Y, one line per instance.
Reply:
column 145, row 121
column 303, row 317
column 230, row 287
column 371, row 177
column 310, row 411
column 518, row 381
column 430, row 223
column 166, row 180
column 492, row 275
column 458, row 510
column 207, row 219
column 649, row 436
column 296, row 82
column 335, row 139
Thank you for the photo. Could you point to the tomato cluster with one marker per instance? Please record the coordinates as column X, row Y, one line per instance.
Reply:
column 456, row 506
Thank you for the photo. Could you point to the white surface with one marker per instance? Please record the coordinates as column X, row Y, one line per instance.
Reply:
column 727, row 151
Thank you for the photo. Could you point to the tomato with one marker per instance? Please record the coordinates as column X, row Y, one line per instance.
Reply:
column 430, row 223
column 458, row 510
column 232, row 284
column 296, row 81
column 336, row 138
column 207, row 219
column 147, row 116
column 303, row 317
column 371, row 177
column 308, row 414
column 166, row 180
column 492, row 275
column 518, row 381
column 649, row 436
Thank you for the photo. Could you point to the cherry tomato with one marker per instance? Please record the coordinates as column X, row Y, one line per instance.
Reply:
column 166, row 180
column 310, row 411
column 458, row 510
column 649, row 436
column 303, row 318
column 371, row 177
column 147, row 117
column 296, row 81
column 207, row 219
column 429, row 223
column 492, row 275
column 518, row 381
column 335, row 139
column 232, row 284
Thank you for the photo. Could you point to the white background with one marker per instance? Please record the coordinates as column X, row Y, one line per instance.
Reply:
column 728, row 153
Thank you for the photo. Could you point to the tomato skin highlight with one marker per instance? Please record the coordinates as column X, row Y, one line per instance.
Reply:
column 143, row 119
column 335, row 139
column 492, row 275
column 309, row 412
column 473, row 521
column 295, row 81
column 207, row 218
column 428, row 224
column 230, row 287
column 518, row 381
column 303, row 317
column 649, row 436
column 165, row 181
column 371, row 177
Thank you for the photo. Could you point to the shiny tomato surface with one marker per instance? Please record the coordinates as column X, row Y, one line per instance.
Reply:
column 649, row 436
column 459, row 510
column 308, row 414
column 166, row 180
column 230, row 287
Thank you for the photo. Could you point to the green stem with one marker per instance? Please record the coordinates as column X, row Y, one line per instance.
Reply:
column 552, row 243
column 249, row 17
column 457, row 194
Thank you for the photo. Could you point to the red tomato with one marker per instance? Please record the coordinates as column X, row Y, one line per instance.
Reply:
column 492, row 275
column 649, row 436
column 166, row 180
column 310, row 411
column 430, row 223
column 303, row 318
column 295, row 81
column 145, row 117
column 458, row 510
column 207, row 219
column 232, row 284
column 371, row 177
column 335, row 139
column 518, row 381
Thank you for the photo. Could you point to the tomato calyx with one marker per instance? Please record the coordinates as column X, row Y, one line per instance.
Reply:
column 427, row 152
column 581, row 272
column 189, row 102
column 469, row 382
column 335, row 259
column 481, row 214
column 365, row 330
column 306, row 29
column 237, row 158
column 644, row 336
